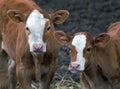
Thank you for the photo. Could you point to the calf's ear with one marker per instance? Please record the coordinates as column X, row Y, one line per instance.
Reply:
column 59, row 16
column 102, row 40
column 62, row 37
column 15, row 16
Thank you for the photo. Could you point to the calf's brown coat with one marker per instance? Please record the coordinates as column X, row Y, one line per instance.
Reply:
column 102, row 56
column 32, row 71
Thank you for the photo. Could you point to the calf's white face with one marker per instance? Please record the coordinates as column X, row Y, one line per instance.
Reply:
column 35, row 24
column 77, row 45
column 79, row 42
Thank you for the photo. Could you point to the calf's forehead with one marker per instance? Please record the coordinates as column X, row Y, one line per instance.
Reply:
column 36, row 20
column 79, row 41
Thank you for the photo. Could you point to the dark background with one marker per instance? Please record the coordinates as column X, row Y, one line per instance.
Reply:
column 93, row 16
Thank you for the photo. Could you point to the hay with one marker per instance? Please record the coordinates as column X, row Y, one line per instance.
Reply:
column 67, row 83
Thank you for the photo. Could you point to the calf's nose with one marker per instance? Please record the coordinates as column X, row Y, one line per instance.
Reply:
column 75, row 66
column 37, row 47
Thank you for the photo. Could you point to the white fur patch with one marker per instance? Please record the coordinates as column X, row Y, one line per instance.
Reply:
column 36, row 24
column 2, row 45
column 11, row 64
column 79, row 41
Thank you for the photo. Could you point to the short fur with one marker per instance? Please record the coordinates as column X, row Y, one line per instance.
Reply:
column 30, row 69
column 102, row 54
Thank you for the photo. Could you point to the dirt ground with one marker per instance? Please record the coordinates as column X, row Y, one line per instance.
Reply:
column 93, row 16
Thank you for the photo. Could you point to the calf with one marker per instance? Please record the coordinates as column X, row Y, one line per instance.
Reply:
column 82, row 43
column 27, row 38
column 98, row 58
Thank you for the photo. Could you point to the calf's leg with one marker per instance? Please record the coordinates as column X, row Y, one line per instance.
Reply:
column 49, row 76
column 24, row 76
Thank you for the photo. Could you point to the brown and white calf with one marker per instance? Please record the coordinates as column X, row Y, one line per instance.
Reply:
column 98, row 58
column 27, row 39
column 82, row 59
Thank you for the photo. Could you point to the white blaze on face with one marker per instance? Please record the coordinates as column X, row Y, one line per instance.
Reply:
column 36, row 24
column 79, row 41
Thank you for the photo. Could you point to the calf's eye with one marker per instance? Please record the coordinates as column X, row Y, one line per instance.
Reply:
column 88, row 49
column 48, row 28
column 27, row 28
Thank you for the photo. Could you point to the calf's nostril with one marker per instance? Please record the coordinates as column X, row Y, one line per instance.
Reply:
column 77, row 66
column 40, row 47
column 37, row 47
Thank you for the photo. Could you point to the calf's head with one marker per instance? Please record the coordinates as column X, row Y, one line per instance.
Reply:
column 82, row 46
column 39, row 26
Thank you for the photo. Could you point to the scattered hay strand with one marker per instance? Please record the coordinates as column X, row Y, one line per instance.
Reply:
column 67, row 83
